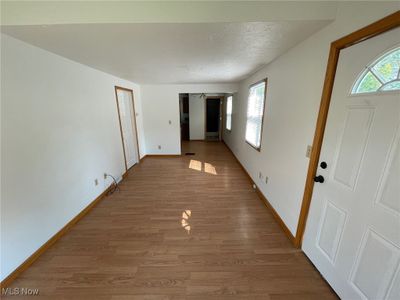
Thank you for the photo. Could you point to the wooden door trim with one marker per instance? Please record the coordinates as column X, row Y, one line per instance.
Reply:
column 205, row 115
column 116, row 88
column 388, row 23
column 120, row 128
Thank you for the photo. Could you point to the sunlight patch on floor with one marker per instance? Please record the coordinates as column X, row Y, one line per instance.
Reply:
column 195, row 165
column 185, row 220
column 209, row 168
column 198, row 166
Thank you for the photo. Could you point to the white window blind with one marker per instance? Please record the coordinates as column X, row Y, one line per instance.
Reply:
column 255, row 112
column 229, row 113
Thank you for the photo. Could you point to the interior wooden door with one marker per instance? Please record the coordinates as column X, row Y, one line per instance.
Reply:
column 353, row 230
column 127, row 120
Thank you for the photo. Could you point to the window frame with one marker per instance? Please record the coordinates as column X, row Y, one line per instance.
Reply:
column 226, row 113
column 265, row 80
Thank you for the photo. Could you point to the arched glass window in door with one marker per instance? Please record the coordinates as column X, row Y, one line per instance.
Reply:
column 381, row 76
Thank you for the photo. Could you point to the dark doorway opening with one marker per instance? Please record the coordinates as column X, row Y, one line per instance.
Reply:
column 213, row 119
column 184, row 116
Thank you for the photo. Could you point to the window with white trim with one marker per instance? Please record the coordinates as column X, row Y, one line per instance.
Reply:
column 255, row 113
column 229, row 113
column 380, row 76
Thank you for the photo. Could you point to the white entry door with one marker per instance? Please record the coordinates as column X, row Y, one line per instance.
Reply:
column 353, row 229
column 128, row 126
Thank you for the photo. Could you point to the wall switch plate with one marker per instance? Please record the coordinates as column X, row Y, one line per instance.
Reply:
column 159, row 147
column 260, row 175
column 170, row 122
column 105, row 175
column 266, row 179
column 308, row 152
column 96, row 182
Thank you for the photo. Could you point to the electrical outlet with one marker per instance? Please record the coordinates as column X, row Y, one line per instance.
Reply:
column 105, row 175
column 260, row 176
column 159, row 147
column 170, row 122
column 266, row 179
column 96, row 182
column 308, row 152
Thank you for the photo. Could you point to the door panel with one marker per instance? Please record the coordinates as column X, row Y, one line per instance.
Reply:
column 353, row 229
column 352, row 145
column 389, row 188
column 371, row 277
column 331, row 228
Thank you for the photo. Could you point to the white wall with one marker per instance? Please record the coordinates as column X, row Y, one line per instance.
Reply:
column 196, row 117
column 161, row 105
column 294, row 89
column 59, row 127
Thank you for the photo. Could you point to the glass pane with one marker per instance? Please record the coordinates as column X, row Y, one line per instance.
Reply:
column 388, row 67
column 260, row 91
column 255, row 111
column 228, row 122
column 392, row 86
column 368, row 84
column 229, row 105
column 251, row 133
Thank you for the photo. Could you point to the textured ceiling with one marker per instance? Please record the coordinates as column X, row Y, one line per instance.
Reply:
column 170, row 53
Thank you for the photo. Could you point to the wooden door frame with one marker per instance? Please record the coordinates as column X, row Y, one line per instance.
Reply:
column 220, row 98
column 116, row 88
column 388, row 23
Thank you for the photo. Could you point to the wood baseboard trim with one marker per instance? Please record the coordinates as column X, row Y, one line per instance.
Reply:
column 31, row 259
column 266, row 202
column 276, row 216
column 161, row 156
column 131, row 168
column 240, row 164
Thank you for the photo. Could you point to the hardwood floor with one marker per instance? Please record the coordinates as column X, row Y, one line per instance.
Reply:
column 187, row 227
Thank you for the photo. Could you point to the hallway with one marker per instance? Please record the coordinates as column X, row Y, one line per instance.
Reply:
column 188, row 227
